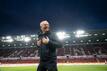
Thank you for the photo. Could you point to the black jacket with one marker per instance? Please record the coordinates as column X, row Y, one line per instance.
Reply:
column 48, row 52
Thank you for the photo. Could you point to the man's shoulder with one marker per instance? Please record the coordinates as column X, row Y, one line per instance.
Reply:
column 52, row 33
column 53, row 36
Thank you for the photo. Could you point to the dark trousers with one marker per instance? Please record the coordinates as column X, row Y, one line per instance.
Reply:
column 45, row 66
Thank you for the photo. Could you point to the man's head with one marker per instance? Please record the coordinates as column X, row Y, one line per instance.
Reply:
column 44, row 26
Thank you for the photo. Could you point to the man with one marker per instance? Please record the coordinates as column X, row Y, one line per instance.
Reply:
column 47, row 43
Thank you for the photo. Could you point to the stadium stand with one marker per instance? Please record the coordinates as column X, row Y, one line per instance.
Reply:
column 22, row 49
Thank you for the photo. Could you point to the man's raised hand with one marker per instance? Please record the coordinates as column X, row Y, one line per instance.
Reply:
column 45, row 40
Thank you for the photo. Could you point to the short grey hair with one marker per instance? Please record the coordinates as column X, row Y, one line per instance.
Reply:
column 44, row 22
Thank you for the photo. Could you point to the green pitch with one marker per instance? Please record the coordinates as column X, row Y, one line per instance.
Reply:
column 60, row 68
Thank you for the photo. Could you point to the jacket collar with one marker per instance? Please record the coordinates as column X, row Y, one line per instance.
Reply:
column 48, row 32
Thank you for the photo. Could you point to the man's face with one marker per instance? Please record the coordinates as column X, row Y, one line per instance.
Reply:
column 44, row 26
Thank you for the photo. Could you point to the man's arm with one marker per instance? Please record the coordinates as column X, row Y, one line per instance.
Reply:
column 52, row 41
column 55, row 42
column 38, row 43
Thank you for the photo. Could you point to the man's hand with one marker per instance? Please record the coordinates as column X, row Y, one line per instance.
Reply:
column 38, row 42
column 45, row 40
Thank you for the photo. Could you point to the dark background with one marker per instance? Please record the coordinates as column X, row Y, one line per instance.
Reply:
column 24, row 16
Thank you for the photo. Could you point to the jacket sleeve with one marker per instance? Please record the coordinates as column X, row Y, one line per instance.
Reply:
column 54, row 42
column 38, row 39
column 37, row 45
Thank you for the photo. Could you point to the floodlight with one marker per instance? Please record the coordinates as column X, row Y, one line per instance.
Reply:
column 10, row 40
column 27, row 39
column 61, row 35
column 8, row 37
column 79, row 32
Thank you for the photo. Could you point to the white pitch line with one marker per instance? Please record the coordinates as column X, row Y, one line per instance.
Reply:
column 59, row 64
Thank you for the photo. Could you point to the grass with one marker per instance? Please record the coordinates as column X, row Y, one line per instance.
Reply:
column 60, row 68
